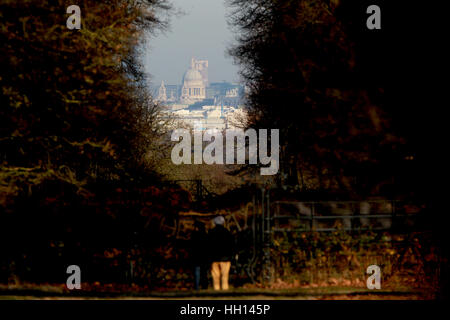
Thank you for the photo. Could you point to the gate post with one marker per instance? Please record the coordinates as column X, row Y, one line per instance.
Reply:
column 268, row 245
column 262, row 216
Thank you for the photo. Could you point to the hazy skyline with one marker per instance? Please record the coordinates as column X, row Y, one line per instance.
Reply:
column 201, row 32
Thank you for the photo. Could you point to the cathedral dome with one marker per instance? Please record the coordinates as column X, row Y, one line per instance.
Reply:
column 194, row 84
column 192, row 75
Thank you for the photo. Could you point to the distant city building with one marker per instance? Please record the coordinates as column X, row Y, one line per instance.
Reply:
column 212, row 117
column 200, row 103
column 232, row 93
column 202, row 67
column 173, row 93
column 162, row 93
column 194, row 83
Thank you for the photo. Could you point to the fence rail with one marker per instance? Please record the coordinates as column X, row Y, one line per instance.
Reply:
column 357, row 215
column 270, row 217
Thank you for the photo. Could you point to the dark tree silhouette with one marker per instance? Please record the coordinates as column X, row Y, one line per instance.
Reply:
column 318, row 74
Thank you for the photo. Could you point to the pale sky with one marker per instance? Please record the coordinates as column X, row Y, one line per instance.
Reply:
column 202, row 32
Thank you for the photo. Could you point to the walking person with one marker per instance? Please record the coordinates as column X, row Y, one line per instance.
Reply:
column 199, row 256
column 221, row 244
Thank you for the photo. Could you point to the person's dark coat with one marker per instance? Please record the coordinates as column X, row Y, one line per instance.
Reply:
column 221, row 244
column 198, row 254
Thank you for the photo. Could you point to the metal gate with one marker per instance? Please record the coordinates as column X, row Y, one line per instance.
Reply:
column 257, row 266
column 269, row 218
